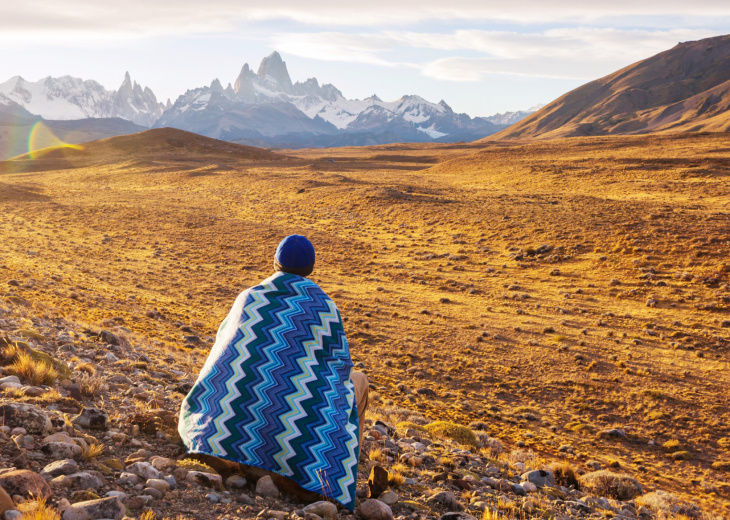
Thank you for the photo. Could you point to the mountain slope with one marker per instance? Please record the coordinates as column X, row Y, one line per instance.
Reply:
column 686, row 88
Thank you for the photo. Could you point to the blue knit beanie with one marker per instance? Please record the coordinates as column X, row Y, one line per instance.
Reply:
column 295, row 252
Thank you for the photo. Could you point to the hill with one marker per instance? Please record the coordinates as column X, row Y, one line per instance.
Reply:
column 159, row 147
column 684, row 89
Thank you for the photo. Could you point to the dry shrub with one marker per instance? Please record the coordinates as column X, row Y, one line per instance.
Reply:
column 494, row 446
column 377, row 455
column 395, row 479
column 408, row 425
column 33, row 371
column 668, row 505
column 38, row 510
column 565, row 474
column 528, row 457
column 449, row 430
column 91, row 385
column 86, row 368
column 91, row 451
column 604, row 483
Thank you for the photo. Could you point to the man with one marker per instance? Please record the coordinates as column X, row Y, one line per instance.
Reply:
column 277, row 391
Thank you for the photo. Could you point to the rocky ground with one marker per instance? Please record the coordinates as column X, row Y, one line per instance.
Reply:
column 89, row 432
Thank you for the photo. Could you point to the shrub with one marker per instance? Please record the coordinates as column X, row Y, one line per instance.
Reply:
column 611, row 485
column 479, row 426
column 668, row 504
column 565, row 475
column 449, row 430
column 407, row 425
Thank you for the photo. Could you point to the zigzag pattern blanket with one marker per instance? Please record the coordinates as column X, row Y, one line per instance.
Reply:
column 275, row 392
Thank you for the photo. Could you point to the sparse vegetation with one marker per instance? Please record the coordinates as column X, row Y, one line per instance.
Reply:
column 449, row 430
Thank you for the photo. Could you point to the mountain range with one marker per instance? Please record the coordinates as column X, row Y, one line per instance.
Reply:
column 263, row 108
column 683, row 89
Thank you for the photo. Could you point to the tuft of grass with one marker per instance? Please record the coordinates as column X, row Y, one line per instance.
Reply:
column 377, row 455
column 38, row 510
column 395, row 479
column 86, row 368
column 91, row 451
column 91, row 385
column 565, row 475
column 194, row 465
column 449, row 430
column 33, row 371
column 407, row 425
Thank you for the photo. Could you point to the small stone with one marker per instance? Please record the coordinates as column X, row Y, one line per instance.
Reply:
column 111, row 358
column 9, row 379
column 206, row 479
column 158, row 484
column 389, row 497
column 129, row 479
column 107, row 508
column 617, row 433
column 529, row 487
column 25, row 483
column 447, row 500
column 266, row 487
column 119, row 494
column 144, row 470
column 92, row 419
column 59, row 467
column 457, row 516
column 161, row 463
column 154, row 493
column 61, row 450
column 374, row 510
column 322, row 509
column 108, row 337
column 236, row 482
column 13, row 514
column 85, row 480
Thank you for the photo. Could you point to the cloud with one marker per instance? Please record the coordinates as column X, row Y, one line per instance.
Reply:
column 122, row 18
column 569, row 53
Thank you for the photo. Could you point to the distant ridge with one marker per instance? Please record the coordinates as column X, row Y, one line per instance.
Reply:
column 163, row 144
column 684, row 89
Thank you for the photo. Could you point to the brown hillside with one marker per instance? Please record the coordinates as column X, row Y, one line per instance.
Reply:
column 686, row 88
column 148, row 149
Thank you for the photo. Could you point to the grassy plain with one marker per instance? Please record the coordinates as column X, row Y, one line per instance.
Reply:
column 554, row 290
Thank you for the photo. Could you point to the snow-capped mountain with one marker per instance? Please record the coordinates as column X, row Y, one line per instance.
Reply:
column 510, row 118
column 227, row 113
column 68, row 98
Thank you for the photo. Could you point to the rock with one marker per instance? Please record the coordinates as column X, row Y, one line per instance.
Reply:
column 154, row 493
column 85, row 480
column 92, row 419
column 119, row 494
column 161, row 463
column 539, row 477
column 425, row 391
column 144, row 470
column 10, row 386
column 265, row 487
column 108, row 508
column 108, row 337
column 153, row 420
column 529, row 487
column 377, row 481
column 13, row 514
column 30, row 417
column 129, row 479
column 9, row 379
column 25, row 483
column 59, row 467
column 208, row 479
column 6, row 503
column 612, row 433
column 111, row 358
column 389, row 497
column 518, row 490
column 236, row 482
column 447, row 500
column 322, row 509
column 457, row 516
column 61, row 481
column 61, row 450
column 374, row 510
column 160, row 485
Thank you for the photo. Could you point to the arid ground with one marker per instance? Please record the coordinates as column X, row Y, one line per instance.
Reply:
column 554, row 290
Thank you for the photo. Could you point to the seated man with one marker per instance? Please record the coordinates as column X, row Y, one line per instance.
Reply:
column 277, row 391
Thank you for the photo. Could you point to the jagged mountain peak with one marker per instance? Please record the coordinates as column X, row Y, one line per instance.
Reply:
column 274, row 67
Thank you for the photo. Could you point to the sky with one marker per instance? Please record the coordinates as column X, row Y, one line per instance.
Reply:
column 480, row 56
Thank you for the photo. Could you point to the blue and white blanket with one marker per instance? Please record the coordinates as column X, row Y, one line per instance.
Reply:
column 275, row 392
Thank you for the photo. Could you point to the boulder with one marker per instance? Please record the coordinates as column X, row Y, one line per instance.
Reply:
column 109, row 508
column 6, row 503
column 236, row 482
column 61, row 450
column 374, row 510
column 377, row 481
column 539, row 477
column 25, row 483
column 30, row 417
column 144, row 470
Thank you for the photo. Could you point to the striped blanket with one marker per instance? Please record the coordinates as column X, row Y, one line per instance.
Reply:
column 275, row 392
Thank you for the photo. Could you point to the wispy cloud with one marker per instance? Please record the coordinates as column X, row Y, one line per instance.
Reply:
column 116, row 18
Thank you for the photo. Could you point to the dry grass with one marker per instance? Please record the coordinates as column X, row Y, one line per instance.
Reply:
column 38, row 510
column 456, row 432
column 611, row 485
column 92, row 451
column 32, row 371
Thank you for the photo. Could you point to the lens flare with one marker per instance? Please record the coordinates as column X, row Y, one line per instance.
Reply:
column 42, row 140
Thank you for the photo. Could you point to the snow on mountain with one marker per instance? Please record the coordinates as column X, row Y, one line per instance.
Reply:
column 67, row 98
column 510, row 118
